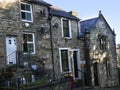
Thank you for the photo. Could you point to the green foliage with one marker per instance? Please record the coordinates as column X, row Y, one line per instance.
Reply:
column 6, row 74
column 78, row 83
column 39, row 81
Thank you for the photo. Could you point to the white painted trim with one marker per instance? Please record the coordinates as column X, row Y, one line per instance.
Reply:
column 33, row 35
column 61, row 60
column 70, row 29
column 70, row 32
column 27, row 12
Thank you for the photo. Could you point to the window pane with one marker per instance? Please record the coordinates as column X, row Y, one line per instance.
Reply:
column 22, row 6
column 30, row 47
column 28, row 16
column 66, row 33
column 66, row 28
column 24, row 36
column 64, row 57
column 28, row 7
column 25, row 47
column 65, row 23
column 23, row 15
column 30, row 38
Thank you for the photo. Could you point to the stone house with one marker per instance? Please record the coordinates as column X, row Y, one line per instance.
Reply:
column 25, row 34
column 100, row 52
column 34, row 34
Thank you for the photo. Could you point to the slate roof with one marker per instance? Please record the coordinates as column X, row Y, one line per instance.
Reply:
column 87, row 25
column 41, row 2
column 53, row 11
column 62, row 13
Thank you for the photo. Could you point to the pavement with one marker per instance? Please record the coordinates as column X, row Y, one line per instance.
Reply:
column 99, row 88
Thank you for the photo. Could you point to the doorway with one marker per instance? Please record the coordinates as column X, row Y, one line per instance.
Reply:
column 95, row 68
column 75, row 62
column 11, row 48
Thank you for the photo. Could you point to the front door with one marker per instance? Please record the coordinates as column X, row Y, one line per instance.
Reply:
column 95, row 67
column 75, row 63
column 11, row 50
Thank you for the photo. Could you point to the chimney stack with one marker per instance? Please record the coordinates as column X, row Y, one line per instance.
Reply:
column 74, row 13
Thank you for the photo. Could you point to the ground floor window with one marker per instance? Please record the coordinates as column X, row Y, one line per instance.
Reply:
column 28, row 43
column 64, row 59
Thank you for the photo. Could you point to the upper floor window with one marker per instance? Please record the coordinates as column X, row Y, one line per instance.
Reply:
column 103, row 43
column 26, row 12
column 28, row 43
column 64, row 60
column 66, row 28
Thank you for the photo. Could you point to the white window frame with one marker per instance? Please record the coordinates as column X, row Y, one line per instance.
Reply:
column 30, row 12
column 33, row 42
column 69, row 62
column 70, row 32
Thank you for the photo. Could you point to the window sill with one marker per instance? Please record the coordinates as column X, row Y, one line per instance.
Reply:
column 27, row 21
column 28, row 53
column 67, row 72
column 67, row 38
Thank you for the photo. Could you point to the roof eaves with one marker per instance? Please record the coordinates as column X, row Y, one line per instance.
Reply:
column 108, row 25
column 40, row 2
column 62, row 13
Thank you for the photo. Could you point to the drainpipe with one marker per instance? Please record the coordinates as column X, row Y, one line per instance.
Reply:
column 51, row 41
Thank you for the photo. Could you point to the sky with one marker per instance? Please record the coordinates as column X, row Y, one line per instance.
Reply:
column 90, row 8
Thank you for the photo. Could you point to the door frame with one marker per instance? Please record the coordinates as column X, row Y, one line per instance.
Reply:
column 69, row 63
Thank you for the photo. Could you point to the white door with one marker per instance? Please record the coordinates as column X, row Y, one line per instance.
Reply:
column 11, row 50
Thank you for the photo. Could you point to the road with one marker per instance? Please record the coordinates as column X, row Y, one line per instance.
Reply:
column 99, row 88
